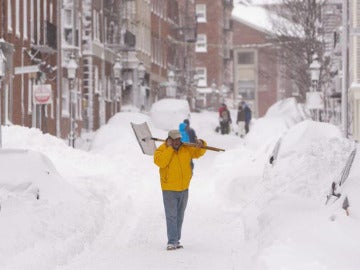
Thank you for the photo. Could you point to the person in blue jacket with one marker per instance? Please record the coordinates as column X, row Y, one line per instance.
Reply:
column 183, row 132
column 243, row 116
column 187, row 135
column 190, row 131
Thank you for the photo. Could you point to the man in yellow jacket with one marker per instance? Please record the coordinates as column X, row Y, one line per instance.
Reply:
column 174, row 162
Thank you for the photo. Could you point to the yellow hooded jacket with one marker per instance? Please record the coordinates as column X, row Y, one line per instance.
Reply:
column 174, row 166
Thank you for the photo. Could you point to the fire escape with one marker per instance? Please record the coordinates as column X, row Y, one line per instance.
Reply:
column 227, row 47
column 185, row 31
column 88, row 68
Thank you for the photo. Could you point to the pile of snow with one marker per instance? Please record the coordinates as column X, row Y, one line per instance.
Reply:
column 37, row 177
column 282, row 115
column 316, row 152
column 108, row 210
column 46, row 217
column 168, row 113
column 289, row 110
column 283, row 204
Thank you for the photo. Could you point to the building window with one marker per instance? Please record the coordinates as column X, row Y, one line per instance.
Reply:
column 96, row 80
column 96, row 16
column 108, row 89
column 32, row 21
column 9, row 16
column 201, row 72
column 68, row 22
column 68, row 18
column 246, row 70
column 201, row 43
column 30, row 97
column 245, row 58
column 79, row 102
column 70, row 38
column 51, row 16
column 45, row 11
column 25, row 22
column 38, row 22
column 17, row 19
column 246, row 89
column 65, row 98
column 7, row 103
column 201, row 12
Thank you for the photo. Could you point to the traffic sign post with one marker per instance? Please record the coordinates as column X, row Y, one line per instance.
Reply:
column 42, row 94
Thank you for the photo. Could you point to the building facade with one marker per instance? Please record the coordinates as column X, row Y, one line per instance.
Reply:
column 353, row 111
column 29, row 44
column 105, row 55
column 213, row 51
column 258, row 65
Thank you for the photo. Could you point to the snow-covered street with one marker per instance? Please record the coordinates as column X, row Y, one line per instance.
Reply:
column 105, row 209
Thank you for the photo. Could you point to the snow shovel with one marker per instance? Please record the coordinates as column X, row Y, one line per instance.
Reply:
column 186, row 143
column 147, row 141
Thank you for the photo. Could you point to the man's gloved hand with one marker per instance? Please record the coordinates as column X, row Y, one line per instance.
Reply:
column 169, row 142
column 199, row 143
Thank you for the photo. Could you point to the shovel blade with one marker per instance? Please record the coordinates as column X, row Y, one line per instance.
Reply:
column 141, row 131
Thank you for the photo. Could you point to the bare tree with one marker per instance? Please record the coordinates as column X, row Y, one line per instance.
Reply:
column 299, row 38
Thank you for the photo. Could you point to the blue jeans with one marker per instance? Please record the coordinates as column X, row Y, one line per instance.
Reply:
column 174, row 203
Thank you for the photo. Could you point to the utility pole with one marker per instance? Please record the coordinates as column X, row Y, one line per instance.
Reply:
column 345, row 67
column 59, row 69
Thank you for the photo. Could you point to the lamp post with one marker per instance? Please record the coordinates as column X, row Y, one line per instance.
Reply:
column 194, row 91
column 223, row 93
column 171, row 84
column 71, row 70
column 117, row 75
column 315, row 75
column 315, row 72
column 141, row 90
column 213, row 95
column 2, row 75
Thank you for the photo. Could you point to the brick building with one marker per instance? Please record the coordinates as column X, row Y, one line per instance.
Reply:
column 258, row 65
column 28, row 41
column 37, row 52
column 213, row 52
column 121, row 50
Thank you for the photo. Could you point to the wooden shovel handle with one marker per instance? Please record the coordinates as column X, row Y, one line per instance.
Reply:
column 190, row 144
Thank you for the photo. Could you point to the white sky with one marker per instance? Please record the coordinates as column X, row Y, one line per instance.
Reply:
column 102, row 209
column 262, row 20
column 254, row 16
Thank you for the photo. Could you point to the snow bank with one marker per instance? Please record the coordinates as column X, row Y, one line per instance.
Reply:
column 169, row 113
column 291, row 203
column 283, row 204
column 45, row 217
column 277, row 120
column 37, row 177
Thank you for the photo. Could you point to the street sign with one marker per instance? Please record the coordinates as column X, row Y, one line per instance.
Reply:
column 27, row 69
column 42, row 94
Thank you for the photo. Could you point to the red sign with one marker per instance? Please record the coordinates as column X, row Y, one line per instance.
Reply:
column 42, row 94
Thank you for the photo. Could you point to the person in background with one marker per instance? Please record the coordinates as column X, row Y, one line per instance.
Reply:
column 247, row 112
column 190, row 131
column 183, row 132
column 240, row 120
column 225, row 119
column 192, row 136
column 173, row 159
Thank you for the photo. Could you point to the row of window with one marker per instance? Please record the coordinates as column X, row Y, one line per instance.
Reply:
column 21, row 8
